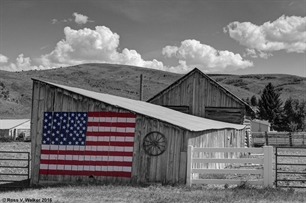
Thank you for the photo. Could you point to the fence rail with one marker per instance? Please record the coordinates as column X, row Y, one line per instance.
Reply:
column 279, row 138
column 11, row 169
column 266, row 161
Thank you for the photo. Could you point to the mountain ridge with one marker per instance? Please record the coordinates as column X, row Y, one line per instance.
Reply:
column 123, row 80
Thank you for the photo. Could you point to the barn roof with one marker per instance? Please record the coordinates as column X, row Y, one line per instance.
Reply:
column 11, row 123
column 227, row 92
column 186, row 121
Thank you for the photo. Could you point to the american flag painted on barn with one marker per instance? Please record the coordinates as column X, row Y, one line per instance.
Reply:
column 84, row 144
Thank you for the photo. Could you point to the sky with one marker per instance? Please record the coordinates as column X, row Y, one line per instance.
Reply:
column 216, row 36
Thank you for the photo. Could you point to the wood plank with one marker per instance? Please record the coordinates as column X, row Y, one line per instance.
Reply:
column 226, row 181
column 40, row 117
column 224, row 160
column 34, row 137
column 183, row 167
column 228, row 171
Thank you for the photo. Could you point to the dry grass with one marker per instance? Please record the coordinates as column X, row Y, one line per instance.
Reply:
column 111, row 193
column 101, row 192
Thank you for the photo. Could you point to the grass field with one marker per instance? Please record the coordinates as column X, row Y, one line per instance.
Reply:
column 99, row 192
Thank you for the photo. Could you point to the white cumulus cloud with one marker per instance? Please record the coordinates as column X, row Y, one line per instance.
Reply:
column 22, row 64
column 80, row 19
column 285, row 33
column 191, row 53
column 3, row 59
column 99, row 45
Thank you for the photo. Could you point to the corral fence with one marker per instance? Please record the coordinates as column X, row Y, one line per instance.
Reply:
column 14, row 169
column 290, row 174
column 279, row 138
column 265, row 172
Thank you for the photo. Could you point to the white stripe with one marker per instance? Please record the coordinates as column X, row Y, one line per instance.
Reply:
column 44, row 156
column 96, row 119
column 114, row 119
column 118, row 158
column 102, row 119
column 128, row 149
column 130, row 120
column 89, row 129
column 85, row 168
column 108, row 119
column 60, row 167
column 127, row 169
column 129, row 139
column 90, row 119
column 122, row 120
column 101, row 128
column 95, row 129
column 68, row 157
column 54, row 147
column 43, row 166
column 46, row 147
column 119, row 149
column 92, row 158
column 127, row 158
column 130, row 130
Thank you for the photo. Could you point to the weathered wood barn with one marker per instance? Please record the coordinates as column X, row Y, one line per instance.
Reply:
column 198, row 94
column 78, row 135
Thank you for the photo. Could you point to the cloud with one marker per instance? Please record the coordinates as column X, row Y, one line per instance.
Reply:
column 285, row 33
column 81, row 19
column 54, row 21
column 255, row 54
column 3, row 59
column 192, row 53
column 99, row 45
column 22, row 64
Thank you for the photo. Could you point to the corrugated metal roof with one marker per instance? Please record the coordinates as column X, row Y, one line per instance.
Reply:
column 186, row 121
column 12, row 123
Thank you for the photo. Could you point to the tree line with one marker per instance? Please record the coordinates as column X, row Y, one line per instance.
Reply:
column 289, row 116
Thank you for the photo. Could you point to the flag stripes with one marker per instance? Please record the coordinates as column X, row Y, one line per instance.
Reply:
column 93, row 143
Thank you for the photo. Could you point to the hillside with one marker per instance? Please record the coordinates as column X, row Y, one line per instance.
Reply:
column 16, row 88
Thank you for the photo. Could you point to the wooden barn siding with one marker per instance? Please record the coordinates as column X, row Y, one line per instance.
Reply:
column 167, row 167
column 197, row 92
column 216, row 138
column 49, row 98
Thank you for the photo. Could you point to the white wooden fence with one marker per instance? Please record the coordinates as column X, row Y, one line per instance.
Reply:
column 266, row 173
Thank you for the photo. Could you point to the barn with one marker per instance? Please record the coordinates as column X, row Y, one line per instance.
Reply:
column 197, row 94
column 81, row 135
column 13, row 127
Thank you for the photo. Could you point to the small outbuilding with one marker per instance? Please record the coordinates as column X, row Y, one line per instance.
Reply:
column 260, row 126
column 11, row 128
column 81, row 135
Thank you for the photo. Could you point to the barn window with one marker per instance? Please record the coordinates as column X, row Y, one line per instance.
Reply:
column 154, row 143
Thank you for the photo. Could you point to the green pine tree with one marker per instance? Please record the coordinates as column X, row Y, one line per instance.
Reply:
column 270, row 108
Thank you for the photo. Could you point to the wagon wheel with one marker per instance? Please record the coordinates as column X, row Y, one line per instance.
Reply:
column 154, row 143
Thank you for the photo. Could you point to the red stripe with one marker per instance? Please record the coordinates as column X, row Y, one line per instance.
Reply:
column 119, row 134
column 85, row 173
column 97, row 153
column 86, row 163
column 112, row 124
column 111, row 114
column 101, row 143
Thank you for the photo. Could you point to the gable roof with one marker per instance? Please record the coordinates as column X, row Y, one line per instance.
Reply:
column 11, row 123
column 186, row 121
column 227, row 92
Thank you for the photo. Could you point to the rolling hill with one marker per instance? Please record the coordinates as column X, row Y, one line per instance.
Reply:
column 122, row 80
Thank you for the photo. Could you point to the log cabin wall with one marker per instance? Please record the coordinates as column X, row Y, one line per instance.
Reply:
column 198, row 92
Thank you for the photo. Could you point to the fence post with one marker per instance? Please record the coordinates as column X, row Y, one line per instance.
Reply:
column 268, row 173
column 189, row 166
column 267, row 138
column 290, row 139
